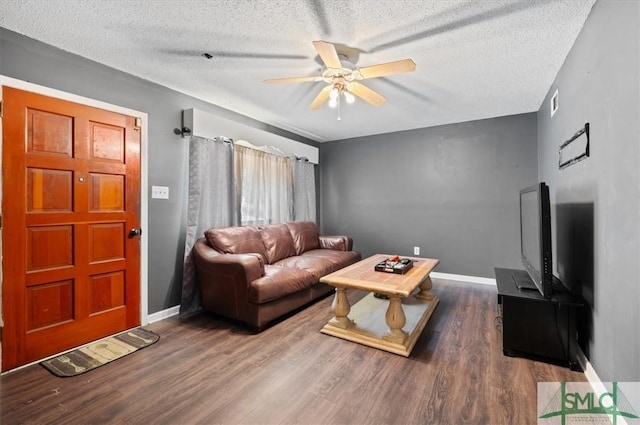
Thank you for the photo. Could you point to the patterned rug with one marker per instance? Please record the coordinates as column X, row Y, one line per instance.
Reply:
column 100, row 352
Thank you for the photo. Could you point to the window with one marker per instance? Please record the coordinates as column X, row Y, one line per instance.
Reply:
column 264, row 186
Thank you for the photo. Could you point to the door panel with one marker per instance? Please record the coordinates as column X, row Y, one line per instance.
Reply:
column 49, row 133
column 107, row 291
column 106, row 242
column 106, row 192
column 49, row 247
column 49, row 304
column 49, row 190
column 71, row 184
column 107, row 142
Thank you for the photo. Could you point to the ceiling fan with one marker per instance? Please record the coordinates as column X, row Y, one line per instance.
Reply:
column 345, row 80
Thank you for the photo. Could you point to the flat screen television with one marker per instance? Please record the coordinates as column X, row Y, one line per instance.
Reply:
column 535, row 238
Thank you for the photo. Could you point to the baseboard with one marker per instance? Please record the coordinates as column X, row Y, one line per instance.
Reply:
column 164, row 314
column 463, row 278
column 590, row 372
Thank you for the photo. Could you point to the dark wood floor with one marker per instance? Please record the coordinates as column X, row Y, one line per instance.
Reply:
column 207, row 371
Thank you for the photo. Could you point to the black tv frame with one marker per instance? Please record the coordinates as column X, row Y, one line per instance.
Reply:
column 541, row 274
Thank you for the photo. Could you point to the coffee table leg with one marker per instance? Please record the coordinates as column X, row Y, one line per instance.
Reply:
column 340, row 308
column 396, row 321
column 425, row 289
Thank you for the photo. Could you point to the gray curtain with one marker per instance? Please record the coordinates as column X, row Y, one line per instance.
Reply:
column 304, row 190
column 210, row 204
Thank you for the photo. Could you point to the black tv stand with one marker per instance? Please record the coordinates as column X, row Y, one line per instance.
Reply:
column 522, row 281
column 535, row 327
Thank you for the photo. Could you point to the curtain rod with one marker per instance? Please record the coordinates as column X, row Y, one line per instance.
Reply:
column 271, row 149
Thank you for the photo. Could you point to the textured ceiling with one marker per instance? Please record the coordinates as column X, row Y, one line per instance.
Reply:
column 475, row 59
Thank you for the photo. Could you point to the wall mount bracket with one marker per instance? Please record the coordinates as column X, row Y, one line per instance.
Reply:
column 570, row 153
column 183, row 131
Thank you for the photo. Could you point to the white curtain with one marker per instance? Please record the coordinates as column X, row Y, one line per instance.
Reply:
column 264, row 186
column 304, row 191
column 210, row 204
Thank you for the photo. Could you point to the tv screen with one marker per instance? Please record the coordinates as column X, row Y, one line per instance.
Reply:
column 535, row 236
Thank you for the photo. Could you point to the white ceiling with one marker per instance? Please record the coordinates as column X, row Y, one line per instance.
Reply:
column 475, row 58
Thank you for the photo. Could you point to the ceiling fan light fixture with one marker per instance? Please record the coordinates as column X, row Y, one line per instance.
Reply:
column 349, row 97
column 344, row 79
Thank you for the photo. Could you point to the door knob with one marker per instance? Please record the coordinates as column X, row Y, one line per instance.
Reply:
column 135, row 232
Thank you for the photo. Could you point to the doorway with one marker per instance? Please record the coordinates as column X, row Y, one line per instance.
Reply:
column 73, row 260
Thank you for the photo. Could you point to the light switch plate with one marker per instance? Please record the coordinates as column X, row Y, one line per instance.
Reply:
column 159, row 192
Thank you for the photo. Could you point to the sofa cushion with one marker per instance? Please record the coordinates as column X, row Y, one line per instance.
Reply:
column 278, row 242
column 317, row 266
column 278, row 282
column 321, row 262
column 236, row 240
column 338, row 258
column 305, row 235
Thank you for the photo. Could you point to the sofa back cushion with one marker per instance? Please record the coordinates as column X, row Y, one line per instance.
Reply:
column 278, row 242
column 305, row 235
column 236, row 240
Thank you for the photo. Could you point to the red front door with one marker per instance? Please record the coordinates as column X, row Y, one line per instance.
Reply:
column 71, row 195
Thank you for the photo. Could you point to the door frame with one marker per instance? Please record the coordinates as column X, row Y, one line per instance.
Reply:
column 46, row 91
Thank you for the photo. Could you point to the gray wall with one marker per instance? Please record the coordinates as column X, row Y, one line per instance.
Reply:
column 453, row 190
column 597, row 201
column 28, row 60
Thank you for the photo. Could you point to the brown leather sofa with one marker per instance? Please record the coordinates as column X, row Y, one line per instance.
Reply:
column 258, row 274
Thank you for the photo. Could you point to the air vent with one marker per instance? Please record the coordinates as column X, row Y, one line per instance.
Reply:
column 554, row 103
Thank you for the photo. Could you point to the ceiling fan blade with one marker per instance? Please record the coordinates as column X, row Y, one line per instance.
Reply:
column 390, row 68
column 328, row 54
column 366, row 93
column 293, row 80
column 321, row 98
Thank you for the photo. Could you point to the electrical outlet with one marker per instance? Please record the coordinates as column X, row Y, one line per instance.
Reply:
column 159, row 192
column 416, row 250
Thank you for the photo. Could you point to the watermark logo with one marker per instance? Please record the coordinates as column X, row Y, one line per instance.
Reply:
column 564, row 403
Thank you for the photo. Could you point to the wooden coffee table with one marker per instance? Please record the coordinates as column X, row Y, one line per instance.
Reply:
column 392, row 325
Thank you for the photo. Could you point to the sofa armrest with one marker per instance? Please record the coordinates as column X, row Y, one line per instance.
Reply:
column 337, row 243
column 224, row 279
column 246, row 267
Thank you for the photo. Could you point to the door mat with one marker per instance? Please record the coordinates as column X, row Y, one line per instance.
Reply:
column 100, row 352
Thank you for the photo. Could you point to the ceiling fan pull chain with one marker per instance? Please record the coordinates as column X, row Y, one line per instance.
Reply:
column 339, row 118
